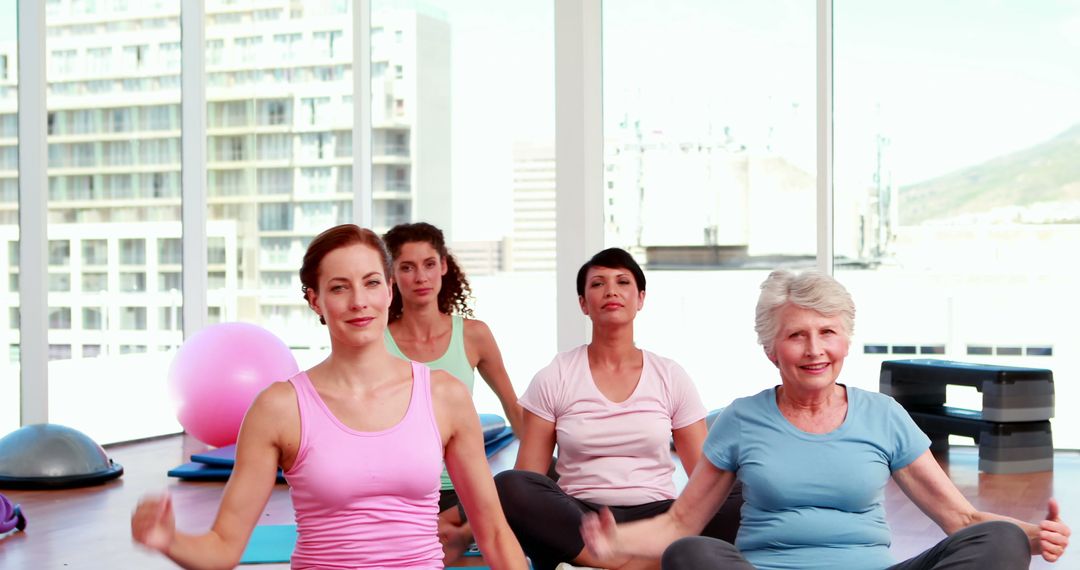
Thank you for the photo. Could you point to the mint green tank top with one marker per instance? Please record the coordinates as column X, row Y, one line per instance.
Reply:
column 454, row 361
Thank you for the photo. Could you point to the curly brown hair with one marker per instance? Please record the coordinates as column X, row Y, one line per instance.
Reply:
column 455, row 292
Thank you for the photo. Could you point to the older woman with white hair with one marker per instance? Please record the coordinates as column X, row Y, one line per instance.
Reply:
column 814, row 456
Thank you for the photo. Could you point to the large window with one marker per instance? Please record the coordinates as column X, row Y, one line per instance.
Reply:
column 957, row 198
column 462, row 127
column 9, row 218
column 113, row 213
column 274, row 103
column 709, row 171
column 955, row 194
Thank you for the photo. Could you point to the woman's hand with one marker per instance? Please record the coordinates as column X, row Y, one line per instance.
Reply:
column 153, row 524
column 600, row 535
column 1053, row 534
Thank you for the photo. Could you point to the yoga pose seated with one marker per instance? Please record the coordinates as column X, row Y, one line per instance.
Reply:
column 612, row 409
column 429, row 323
column 814, row 457
column 361, row 438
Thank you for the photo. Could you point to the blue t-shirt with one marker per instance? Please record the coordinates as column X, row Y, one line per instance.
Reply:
column 814, row 500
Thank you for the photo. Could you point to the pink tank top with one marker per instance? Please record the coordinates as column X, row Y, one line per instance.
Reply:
column 367, row 499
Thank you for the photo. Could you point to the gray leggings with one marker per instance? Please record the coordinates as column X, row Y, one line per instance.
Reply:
column 995, row 545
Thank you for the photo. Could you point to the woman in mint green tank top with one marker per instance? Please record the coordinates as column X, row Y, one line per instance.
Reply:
column 430, row 322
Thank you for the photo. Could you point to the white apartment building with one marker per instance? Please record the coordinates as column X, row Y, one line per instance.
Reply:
column 115, row 288
column 279, row 149
column 532, row 246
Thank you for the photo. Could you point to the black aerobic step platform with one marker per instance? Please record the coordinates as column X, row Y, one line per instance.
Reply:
column 1012, row 430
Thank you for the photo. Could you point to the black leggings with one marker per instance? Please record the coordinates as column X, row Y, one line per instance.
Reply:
column 547, row 521
column 996, row 545
column 448, row 499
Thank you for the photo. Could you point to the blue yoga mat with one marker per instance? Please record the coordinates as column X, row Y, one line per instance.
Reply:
column 195, row 471
column 216, row 464
column 491, row 447
column 270, row 543
column 494, row 428
column 492, row 425
column 223, row 456
column 275, row 542
column 200, row 471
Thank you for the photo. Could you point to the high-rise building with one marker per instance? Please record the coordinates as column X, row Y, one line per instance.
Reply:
column 532, row 247
column 9, row 132
column 279, row 92
column 477, row 258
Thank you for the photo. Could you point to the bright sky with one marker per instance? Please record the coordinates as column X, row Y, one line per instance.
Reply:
column 950, row 84
column 977, row 80
column 8, row 21
column 502, row 76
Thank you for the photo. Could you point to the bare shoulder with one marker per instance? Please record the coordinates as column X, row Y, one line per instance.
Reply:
column 480, row 341
column 273, row 418
column 476, row 330
column 447, row 390
column 276, row 400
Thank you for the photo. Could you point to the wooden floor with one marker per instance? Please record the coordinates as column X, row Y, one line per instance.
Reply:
column 88, row 528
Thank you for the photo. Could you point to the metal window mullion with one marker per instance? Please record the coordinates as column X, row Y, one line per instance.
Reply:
column 361, row 129
column 579, row 155
column 193, row 209
column 825, row 177
column 33, row 218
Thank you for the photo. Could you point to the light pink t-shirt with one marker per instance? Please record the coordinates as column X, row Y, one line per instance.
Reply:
column 614, row 454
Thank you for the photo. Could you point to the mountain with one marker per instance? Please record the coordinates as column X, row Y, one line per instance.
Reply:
column 1046, row 172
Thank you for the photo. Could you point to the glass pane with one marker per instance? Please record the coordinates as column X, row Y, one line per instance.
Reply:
column 958, row 187
column 279, row 98
column 113, row 99
column 480, row 75
column 95, row 252
column 9, row 216
column 699, row 151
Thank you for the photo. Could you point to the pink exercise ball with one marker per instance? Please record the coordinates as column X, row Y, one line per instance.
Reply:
column 217, row 373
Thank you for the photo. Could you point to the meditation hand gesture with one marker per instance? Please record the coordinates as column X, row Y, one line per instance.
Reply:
column 153, row 524
column 1053, row 534
column 600, row 535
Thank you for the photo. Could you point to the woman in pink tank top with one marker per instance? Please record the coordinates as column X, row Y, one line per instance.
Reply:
column 360, row 437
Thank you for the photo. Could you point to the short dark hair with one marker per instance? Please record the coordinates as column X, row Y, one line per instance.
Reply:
column 614, row 258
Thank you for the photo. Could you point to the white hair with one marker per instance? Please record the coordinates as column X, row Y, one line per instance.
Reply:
column 810, row 289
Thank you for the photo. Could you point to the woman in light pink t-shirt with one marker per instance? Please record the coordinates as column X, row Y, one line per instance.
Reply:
column 613, row 410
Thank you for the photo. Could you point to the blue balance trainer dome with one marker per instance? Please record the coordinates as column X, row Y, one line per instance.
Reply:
column 51, row 456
